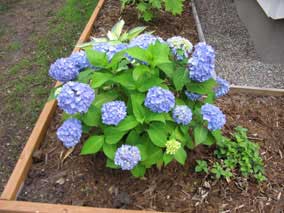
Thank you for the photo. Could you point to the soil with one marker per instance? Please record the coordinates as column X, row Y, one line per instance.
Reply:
column 165, row 24
column 81, row 180
column 20, row 22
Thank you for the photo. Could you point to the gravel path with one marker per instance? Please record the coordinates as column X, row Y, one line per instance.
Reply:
column 237, row 60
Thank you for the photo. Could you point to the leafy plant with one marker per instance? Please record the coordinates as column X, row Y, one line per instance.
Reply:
column 146, row 8
column 240, row 154
column 201, row 166
column 134, row 101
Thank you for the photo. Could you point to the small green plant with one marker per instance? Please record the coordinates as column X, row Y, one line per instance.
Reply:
column 201, row 166
column 146, row 8
column 239, row 154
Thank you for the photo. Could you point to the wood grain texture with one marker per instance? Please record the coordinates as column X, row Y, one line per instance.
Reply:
column 31, row 207
column 256, row 91
column 25, row 160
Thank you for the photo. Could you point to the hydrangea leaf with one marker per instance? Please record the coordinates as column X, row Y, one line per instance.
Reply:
column 132, row 137
column 167, row 158
column 155, row 155
column 92, row 145
column 112, row 136
column 152, row 116
column 138, row 171
column 92, row 117
column 96, row 58
column 100, row 79
column 147, row 83
column 201, row 88
column 109, row 150
column 140, row 54
column 140, row 71
column 167, row 68
column 160, row 53
column 110, row 164
column 180, row 78
column 128, row 123
column 174, row 6
column 126, row 80
column 85, row 76
column 157, row 134
column 180, row 156
column 200, row 134
column 137, row 106
column 104, row 98
column 143, row 151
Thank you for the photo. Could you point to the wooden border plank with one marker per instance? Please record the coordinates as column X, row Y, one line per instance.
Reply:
column 256, row 91
column 8, row 206
column 24, row 162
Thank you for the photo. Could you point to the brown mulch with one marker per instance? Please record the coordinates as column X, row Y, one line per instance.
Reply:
column 164, row 25
column 86, row 181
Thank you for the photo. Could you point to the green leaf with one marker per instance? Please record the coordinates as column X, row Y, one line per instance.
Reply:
column 110, row 164
column 200, row 134
column 109, row 150
column 217, row 134
column 140, row 54
column 135, row 32
column 147, row 83
column 152, row 116
column 117, row 28
column 132, row 138
column 96, row 58
column 160, row 53
column 167, row 158
column 85, row 76
column 201, row 166
column 100, row 78
column 112, row 136
column 137, row 100
column 180, row 78
column 168, row 69
column 155, row 155
column 143, row 151
column 92, row 145
column 203, row 88
column 92, row 117
column 52, row 95
column 174, row 6
column 180, row 156
column 140, row 71
column 104, row 98
column 157, row 134
column 126, row 80
column 127, row 124
column 138, row 171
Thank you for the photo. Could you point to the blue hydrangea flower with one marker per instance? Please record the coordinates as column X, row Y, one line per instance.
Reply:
column 223, row 87
column 70, row 132
column 202, row 63
column 109, row 49
column 180, row 47
column 80, row 60
column 215, row 117
column 159, row 100
column 75, row 97
column 144, row 40
column 127, row 157
column 113, row 112
column 182, row 114
column 63, row 70
column 192, row 96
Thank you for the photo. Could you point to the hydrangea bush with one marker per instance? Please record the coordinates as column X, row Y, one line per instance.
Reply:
column 142, row 103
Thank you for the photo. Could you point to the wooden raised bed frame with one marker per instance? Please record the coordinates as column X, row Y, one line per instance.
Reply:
column 8, row 198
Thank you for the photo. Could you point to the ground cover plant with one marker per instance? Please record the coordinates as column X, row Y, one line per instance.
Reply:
column 144, row 101
column 146, row 9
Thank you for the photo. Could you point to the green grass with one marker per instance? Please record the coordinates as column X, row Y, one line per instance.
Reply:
column 14, row 46
column 31, row 85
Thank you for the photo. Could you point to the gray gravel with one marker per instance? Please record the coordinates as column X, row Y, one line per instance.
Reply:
column 236, row 58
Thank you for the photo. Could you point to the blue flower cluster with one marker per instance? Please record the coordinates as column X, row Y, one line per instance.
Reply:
column 223, row 87
column 215, row 117
column 159, row 100
column 64, row 69
column 144, row 40
column 113, row 112
column 127, row 157
column 202, row 63
column 109, row 49
column 180, row 47
column 182, row 115
column 192, row 96
column 80, row 60
column 70, row 132
column 75, row 97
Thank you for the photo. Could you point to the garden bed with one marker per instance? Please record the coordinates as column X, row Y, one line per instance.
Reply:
column 84, row 180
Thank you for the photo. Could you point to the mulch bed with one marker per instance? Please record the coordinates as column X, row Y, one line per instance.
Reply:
column 86, row 181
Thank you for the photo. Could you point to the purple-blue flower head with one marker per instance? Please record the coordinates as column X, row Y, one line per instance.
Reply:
column 63, row 69
column 70, row 132
column 109, row 49
column 202, row 63
column 75, row 97
column 127, row 157
column 144, row 40
column 192, row 96
column 222, row 88
column 215, row 117
column 80, row 60
column 182, row 114
column 113, row 112
column 181, row 47
column 159, row 100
